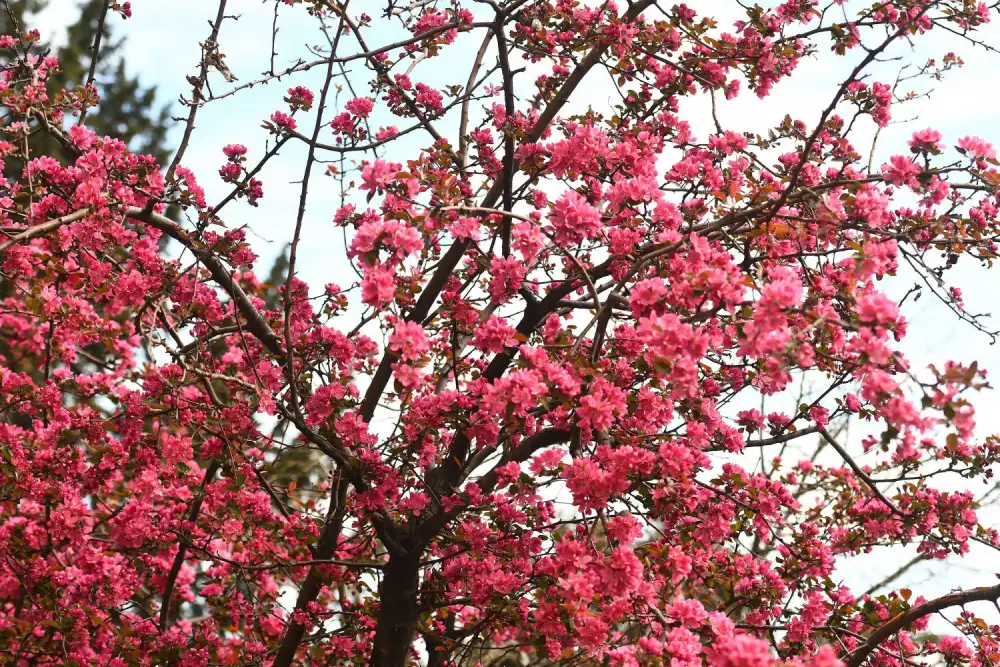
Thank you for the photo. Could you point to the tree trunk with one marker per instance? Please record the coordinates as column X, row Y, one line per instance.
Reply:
column 313, row 584
column 397, row 620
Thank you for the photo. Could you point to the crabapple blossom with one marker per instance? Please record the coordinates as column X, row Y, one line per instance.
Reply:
column 522, row 419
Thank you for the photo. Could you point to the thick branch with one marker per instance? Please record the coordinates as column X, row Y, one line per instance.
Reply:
column 175, row 567
column 313, row 583
column 508, row 145
column 45, row 228
column 907, row 618
column 255, row 322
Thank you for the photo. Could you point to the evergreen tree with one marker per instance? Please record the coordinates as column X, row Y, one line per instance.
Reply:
column 127, row 109
column 15, row 12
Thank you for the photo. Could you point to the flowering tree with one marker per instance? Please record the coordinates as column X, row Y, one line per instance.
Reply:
column 530, row 407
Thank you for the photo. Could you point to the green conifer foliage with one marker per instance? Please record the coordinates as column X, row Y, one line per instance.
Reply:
column 127, row 109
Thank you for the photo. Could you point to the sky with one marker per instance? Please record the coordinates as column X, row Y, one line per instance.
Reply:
column 162, row 47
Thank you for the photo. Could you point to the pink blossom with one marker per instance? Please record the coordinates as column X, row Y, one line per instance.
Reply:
column 901, row 171
column 465, row 227
column 234, row 150
column 926, row 141
column 689, row 613
column 955, row 648
column 376, row 175
column 977, row 147
column 741, row 651
column 283, row 121
column 409, row 340
column 574, row 219
column 360, row 107
column 299, row 97
column 494, row 336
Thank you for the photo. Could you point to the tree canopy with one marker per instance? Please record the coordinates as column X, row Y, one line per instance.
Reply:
column 520, row 422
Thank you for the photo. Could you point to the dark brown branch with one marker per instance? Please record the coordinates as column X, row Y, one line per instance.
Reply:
column 255, row 322
column 196, row 87
column 776, row 440
column 903, row 569
column 95, row 54
column 306, row 66
column 297, row 233
column 175, row 567
column 44, row 228
column 313, row 583
column 911, row 616
column 872, row 56
column 454, row 255
column 869, row 482
column 508, row 144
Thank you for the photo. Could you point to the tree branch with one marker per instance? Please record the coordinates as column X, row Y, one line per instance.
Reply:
column 45, row 228
column 869, row 482
column 907, row 618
